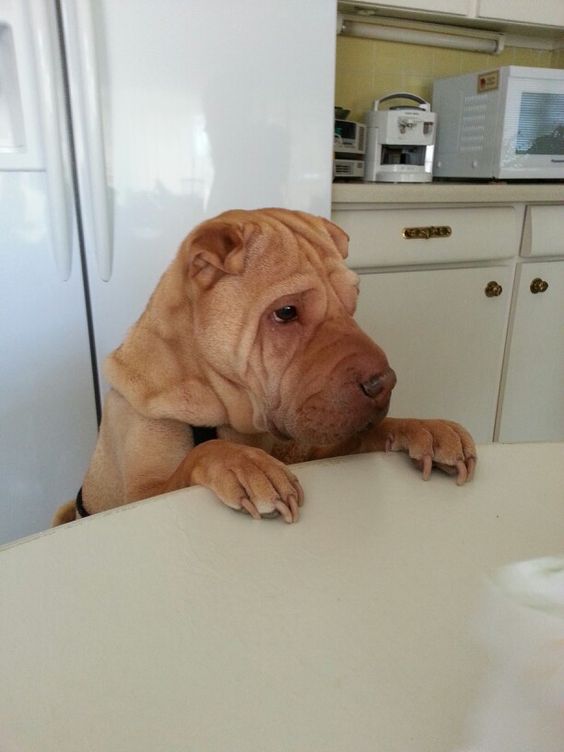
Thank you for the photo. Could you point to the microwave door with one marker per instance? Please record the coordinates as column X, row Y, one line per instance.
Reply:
column 533, row 130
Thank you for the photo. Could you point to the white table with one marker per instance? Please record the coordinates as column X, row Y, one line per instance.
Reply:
column 175, row 624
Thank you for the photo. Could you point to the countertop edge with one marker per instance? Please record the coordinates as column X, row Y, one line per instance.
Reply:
column 446, row 193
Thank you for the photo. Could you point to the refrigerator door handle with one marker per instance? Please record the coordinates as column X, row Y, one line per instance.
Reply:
column 58, row 180
column 80, row 23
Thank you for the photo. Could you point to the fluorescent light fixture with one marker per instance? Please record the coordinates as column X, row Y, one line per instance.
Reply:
column 411, row 34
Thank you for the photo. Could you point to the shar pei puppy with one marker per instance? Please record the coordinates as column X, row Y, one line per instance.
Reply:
column 249, row 342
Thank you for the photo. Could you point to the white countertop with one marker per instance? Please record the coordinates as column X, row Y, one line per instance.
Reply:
column 175, row 624
column 447, row 193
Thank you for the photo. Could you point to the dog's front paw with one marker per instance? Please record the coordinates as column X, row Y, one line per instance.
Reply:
column 246, row 478
column 440, row 443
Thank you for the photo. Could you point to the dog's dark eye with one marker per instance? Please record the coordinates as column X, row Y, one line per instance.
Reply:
column 285, row 314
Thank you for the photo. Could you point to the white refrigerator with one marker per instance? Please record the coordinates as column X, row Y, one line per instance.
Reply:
column 124, row 123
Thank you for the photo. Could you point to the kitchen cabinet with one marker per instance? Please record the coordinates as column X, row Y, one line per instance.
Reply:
column 451, row 7
column 444, row 336
column 490, row 356
column 547, row 13
column 532, row 407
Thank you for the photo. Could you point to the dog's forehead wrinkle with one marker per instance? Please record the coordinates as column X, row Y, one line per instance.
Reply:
column 282, row 228
column 287, row 228
column 305, row 225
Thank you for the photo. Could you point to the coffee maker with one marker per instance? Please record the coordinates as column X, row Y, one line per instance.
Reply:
column 400, row 141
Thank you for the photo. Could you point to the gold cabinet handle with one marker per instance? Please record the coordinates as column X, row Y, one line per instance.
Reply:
column 493, row 289
column 424, row 233
column 538, row 285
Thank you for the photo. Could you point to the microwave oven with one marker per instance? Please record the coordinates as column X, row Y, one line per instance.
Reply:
column 505, row 124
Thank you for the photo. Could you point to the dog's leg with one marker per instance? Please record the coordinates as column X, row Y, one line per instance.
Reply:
column 243, row 477
column 137, row 457
column 429, row 443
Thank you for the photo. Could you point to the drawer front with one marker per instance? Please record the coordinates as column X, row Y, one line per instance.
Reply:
column 544, row 231
column 397, row 237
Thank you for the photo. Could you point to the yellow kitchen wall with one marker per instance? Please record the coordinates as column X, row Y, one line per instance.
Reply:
column 558, row 59
column 368, row 68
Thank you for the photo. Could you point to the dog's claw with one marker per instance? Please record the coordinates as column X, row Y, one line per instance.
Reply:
column 249, row 507
column 462, row 473
column 284, row 510
column 293, row 502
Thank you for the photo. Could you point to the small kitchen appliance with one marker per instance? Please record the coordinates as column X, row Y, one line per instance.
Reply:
column 349, row 146
column 503, row 124
column 400, row 141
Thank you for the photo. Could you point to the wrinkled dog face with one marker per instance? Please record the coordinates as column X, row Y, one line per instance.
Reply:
column 331, row 380
column 287, row 335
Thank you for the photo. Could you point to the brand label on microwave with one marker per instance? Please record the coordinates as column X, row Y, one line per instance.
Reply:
column 488, row 81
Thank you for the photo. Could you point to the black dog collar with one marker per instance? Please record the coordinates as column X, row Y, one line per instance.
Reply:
column 199, row 433
column 203, row 433
column 80, row 506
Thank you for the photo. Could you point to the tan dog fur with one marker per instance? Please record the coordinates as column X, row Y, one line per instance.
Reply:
column 211, row 349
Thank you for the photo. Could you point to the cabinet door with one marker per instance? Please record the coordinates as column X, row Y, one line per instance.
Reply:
column 445, row 339
column 533, row 395
column 547, row 13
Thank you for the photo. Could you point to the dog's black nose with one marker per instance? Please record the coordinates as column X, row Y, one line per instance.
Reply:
column 379, row 383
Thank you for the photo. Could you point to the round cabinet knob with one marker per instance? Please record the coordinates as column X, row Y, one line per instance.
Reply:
column 538, row 285
column 493, row 290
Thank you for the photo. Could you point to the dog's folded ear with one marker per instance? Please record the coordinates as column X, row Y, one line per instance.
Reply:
column 216, row 248
column 338, row 236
